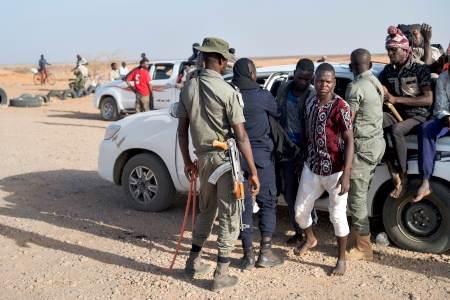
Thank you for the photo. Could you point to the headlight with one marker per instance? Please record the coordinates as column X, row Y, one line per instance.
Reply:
column 111, row 130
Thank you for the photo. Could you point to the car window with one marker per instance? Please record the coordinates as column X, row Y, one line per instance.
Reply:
column 162, row 71
column 341, row 86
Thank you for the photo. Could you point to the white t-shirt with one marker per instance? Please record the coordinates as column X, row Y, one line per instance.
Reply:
column 83, row 70
column 83, row 61
column 123, row 71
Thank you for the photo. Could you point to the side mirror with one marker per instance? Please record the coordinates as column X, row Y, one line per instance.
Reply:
column 173, row 110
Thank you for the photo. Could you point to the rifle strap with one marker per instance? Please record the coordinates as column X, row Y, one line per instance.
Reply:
column 220, row 137
column 376, row 87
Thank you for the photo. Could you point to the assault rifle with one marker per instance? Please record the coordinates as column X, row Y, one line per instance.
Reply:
column 237, row 176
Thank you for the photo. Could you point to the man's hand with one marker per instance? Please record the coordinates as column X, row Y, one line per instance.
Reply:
column 343, row 183
column 188, row 168
column 425, row 31
column 389, row 98
column 253, row 185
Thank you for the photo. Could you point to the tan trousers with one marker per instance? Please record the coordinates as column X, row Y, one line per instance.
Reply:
column 142, row 103
column 216, row 200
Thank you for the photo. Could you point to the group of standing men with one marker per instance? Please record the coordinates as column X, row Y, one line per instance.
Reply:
column 341, row 141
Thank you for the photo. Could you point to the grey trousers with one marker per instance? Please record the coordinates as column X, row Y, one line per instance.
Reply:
column 216, row 200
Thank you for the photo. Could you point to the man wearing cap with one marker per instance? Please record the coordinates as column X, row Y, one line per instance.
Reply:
column 408, row 86
column 211, row 109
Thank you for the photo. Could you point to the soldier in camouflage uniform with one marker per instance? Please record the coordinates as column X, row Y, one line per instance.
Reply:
column 79, row 81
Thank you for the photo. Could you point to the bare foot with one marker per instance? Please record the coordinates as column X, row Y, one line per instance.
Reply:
column 340, row 268
column 301, row 249
column 400, row 188
column 424, row 191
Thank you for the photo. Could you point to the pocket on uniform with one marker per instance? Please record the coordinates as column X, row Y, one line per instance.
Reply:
column 370, row 152
column 410, row 86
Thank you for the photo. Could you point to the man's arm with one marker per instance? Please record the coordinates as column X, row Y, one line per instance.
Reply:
column 243, row 145
column 425, row 100
column 273, row 108
column 442, row 104
column 183, row 142
column 425, row 31
column 349, row 147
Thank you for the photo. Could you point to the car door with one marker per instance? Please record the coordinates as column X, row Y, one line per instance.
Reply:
column 274, row 82
column 164, row 79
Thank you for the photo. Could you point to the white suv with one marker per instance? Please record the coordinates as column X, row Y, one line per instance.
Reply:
column 141, row 153
column 115, row 98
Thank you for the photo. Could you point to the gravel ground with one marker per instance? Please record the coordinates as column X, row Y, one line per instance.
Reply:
column 67, row 234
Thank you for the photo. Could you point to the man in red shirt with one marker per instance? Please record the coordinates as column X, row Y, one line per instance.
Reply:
column 142, row 86
column 327, row 167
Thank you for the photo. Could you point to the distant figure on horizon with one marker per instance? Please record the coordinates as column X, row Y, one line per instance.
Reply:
column 114, row 74
column 323, row 59
column 80, row 62
column 123, row 70
column 42, row 69
column 143, row 57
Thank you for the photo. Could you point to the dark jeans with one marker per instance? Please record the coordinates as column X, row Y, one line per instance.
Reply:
column 398, row 131
column 266, row 199
column 429, row 132
column 291, row 181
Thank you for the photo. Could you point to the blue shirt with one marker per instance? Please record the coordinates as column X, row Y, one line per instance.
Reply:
column 293, row 125
column 42, row 63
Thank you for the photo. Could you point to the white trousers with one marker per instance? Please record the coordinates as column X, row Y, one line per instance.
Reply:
column 310, row 188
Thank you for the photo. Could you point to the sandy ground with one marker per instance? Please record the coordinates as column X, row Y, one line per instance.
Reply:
column 65, row 233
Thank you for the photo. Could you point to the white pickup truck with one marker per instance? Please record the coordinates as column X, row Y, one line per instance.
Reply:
column 141, row 153
column 116, row 98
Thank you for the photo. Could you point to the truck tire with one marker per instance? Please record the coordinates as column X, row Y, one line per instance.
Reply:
column 42, row 97
column 23, row 96
column 54, row 93
column 147, row 183
column 423, row 226
column 91, row 89
column 81, row 92
column 3, row 97
column 26, row 102
column 108, row 109
column 68, row 92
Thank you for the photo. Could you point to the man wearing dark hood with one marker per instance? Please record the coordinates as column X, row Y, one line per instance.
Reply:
column 258, row 104
column 195, row 57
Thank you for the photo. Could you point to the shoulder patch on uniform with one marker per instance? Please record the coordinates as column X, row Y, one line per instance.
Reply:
column 238, row 92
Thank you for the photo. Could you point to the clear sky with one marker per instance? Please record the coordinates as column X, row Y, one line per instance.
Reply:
column 166, row 29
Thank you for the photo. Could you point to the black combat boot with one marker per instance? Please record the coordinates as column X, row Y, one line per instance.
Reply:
column 194, row 266
column 248, row 260
column 266, row 258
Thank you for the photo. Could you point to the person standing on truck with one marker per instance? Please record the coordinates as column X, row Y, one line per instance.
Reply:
column 258, row 104
column 42, row 68
column 409, row 88
column 143, row 57
column 292, row 96
column 210, row 108
column 365, row 96
column 142, row 86
column 328, row 164
column 432, row 130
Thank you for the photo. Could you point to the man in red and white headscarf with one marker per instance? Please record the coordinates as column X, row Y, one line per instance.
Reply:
column 408, row 86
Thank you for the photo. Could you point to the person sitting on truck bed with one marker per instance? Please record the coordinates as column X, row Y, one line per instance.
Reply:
column 408, row 86
column 432, row 130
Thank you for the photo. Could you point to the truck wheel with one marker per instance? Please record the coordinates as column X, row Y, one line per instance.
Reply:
column 147, row 183
column 26, row 102
column 23, row 96
column 54, row 93
column 42, row 97
column 423, row 226
column 91, row 89
column 81, row 92
column 108, row 109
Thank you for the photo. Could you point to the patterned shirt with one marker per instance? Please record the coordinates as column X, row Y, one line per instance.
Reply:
column 407, row 82
column 325, row 145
